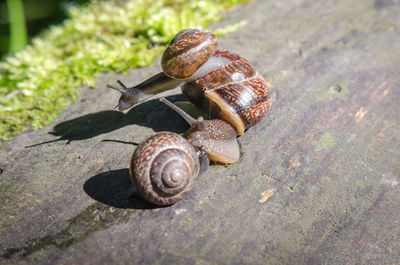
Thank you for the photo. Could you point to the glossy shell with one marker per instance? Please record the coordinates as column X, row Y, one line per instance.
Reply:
column 235, row 92
column 189, row 50
column 163, row 168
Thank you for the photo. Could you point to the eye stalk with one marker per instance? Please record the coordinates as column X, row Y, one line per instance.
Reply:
column 121, row 90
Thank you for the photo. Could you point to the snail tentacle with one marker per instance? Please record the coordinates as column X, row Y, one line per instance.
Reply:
column 122, row 91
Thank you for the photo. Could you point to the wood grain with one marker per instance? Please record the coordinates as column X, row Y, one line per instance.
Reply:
column 329, row 146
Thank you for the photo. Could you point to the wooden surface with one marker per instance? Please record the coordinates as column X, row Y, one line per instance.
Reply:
column 319, row 179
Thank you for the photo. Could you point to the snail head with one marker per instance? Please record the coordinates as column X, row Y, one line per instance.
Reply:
column 129, row 96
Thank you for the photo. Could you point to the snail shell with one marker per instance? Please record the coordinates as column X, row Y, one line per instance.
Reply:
column 189, row 50
column 219, row 81
column 163, row 168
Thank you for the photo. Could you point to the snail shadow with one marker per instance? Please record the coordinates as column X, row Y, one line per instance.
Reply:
column 151, row 113
column 114, row 188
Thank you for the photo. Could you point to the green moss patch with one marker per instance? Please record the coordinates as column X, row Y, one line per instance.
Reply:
column 39, row 81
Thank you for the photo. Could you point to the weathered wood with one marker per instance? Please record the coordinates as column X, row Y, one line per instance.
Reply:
column 329, row 148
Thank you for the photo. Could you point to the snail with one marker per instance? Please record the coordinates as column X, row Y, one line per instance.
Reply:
column 221, row 82
column 216, row 137
column 164, row 166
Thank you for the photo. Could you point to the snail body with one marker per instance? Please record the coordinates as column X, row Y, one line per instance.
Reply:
column 221, row 82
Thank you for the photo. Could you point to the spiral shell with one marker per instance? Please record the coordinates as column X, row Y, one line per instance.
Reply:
column 189, row 50
column 232, row 90
column 163, row 168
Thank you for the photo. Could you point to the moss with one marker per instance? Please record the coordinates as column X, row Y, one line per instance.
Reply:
column 39, row 81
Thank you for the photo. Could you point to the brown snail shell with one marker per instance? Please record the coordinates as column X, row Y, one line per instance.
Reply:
column 189, row 50
column 234, row 92
column 219, row 81
column 163, row 168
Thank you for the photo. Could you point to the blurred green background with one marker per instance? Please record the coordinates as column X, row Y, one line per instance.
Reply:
column 21, row 20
